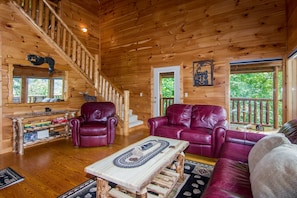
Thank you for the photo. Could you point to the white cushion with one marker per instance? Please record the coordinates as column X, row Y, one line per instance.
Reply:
column 275, row 175
column 263, row 146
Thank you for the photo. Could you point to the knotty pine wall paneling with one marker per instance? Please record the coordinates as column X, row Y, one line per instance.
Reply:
column 137, row 36
column 292, row 26
column 77, row 17
column 18, row 40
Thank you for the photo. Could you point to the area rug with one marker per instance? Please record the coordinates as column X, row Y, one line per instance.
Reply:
column 196, row 178
column 9, row 177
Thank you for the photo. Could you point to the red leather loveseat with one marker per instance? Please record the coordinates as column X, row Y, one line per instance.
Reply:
column 203, row 126
column 254, row 165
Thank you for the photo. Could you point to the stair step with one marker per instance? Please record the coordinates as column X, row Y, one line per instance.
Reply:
column 135, row 123
column 133, row 118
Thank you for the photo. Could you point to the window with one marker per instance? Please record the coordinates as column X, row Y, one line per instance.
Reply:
column 36, row 85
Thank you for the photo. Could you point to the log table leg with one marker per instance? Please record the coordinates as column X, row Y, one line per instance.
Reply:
column 180, row 166
column 102, row 188
column 142, row 194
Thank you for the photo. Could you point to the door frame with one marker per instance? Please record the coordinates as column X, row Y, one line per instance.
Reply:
column 156, row 86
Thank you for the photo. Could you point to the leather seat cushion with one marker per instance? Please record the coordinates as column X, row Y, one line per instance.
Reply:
column 93, row 129
column 169, row 131
column 196, row 136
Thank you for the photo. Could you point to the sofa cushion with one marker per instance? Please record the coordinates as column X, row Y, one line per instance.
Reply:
column 196, row 136
column 169, row 131
column 93, row 129
column 275, row 175
column 232, row 177
column 207, row 115
column 179, row 114
column 263, row 146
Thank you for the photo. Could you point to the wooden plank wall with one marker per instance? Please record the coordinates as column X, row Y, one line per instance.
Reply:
column 137, row 36
column 292, row 26
column 18, row 40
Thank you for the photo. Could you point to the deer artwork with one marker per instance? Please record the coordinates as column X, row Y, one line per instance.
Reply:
column 87, row 97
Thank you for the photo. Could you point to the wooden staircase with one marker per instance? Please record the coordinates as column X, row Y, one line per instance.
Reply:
column 44, row 19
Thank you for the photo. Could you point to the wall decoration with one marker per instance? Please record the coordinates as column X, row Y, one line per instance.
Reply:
column 38, row 60
column 203, row 73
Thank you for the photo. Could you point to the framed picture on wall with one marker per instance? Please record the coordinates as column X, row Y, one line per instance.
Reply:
column 203, row 73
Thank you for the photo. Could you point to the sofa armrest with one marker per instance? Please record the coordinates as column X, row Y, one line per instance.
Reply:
column 238, row 144
column 156, row 122
column 74, row 124
column 219, row 132
column 111, row 129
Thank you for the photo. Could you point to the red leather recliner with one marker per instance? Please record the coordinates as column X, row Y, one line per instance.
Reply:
column 96, row 126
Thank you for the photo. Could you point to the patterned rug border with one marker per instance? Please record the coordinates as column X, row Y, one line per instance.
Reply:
column 9, row 177
column 205, row 172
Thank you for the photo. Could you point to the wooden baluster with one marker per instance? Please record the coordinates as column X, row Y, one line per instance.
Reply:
column 106, row 90
column 113, row 95
column 26, row 6
column 74, row 51
column 40, row 14
column 64, row 39
column 232, row 112
column 267, row 113
column 126, row 112
column 103, row 87
column 238, row 111
column 53, row 26
column 46, row 20
column 261, row 112
column 87, row 63
column 250, row 111
column 244, row 111
column 58, row 37
column 34, row 10
column 82, row 57
column 100, row 84
column 255, row 111
column 69, row 41
column 121, row 107
column 78, row 59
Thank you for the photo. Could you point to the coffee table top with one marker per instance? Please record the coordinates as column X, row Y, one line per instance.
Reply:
column 137, row 178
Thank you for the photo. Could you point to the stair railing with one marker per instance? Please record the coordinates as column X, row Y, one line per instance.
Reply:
column 56, row 33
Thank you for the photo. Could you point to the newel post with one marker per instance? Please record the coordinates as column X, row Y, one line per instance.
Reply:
column 126, row 112
column 96, row 74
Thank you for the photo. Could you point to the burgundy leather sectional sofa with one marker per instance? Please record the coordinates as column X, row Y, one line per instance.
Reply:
column 204, row 126
column 255, row 165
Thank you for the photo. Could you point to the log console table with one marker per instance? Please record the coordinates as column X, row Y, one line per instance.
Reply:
column 140, row 169
column 26, row 123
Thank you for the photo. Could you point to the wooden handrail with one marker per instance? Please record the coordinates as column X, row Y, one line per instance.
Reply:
column 253, row 111
column 44, row 19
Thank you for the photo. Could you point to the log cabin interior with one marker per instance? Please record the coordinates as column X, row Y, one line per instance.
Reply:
column 127, row 40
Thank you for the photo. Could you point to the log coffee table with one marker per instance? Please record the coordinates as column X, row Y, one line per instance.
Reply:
column 141, row 169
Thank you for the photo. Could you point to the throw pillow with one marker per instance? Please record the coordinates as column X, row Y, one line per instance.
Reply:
column 263, row 146
column 275, row 175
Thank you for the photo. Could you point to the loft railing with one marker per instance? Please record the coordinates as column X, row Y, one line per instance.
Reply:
column 57, row 34
column 252, row 111
column 164, row 103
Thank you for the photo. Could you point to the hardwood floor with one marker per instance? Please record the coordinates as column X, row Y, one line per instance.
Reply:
column 53, row 168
